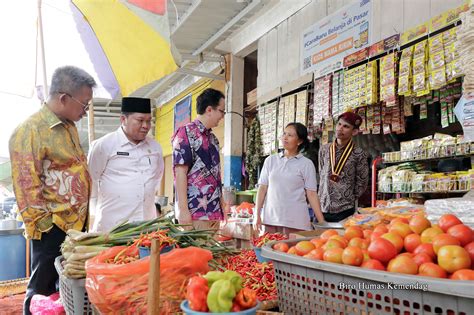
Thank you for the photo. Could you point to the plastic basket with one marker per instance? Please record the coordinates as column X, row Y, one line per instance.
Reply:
column 258, row 253
column 73, row 293
column 308, row 286
column 188, row 311
column 145, row 251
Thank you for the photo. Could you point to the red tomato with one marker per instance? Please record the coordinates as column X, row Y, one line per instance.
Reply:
column 411, row 255
column 281, row 247
column 353, row 231
column 403, row 264
column 318, row 242
column 316, row 254
column 352, row 256
column 411, row 242
column 328, row 233
column 292, row 250
column 462, row 232
column 418, row 223
column 397, row 220
column 425, row 248
column 463, row 274
column 395, row 239
column 470, row 249
column 382, row 249
column 332, row 243
column 422, row 258
column 359, row 242
column 381, row 228
column 376, row 235
column 428, row 234
column 333, row 255
column 444, row 239
column 453, row 258
column 448, row 220
column 402, row 229
column 340, row 238
column 373, row 264
column 304, row 247
column 366, row 255
column 431, row 270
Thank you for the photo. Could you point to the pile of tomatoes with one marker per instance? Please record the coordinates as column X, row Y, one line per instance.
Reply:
column 410, row 246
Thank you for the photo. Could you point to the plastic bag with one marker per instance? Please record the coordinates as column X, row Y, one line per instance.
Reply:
column 115, row 289
column 46, row 305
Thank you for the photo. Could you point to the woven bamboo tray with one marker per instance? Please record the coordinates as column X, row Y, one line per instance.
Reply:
column 12, row 287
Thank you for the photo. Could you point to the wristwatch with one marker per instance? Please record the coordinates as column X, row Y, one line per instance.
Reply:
column 45, row 224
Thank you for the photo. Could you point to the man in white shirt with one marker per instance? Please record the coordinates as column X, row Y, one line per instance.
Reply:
column 126, row 168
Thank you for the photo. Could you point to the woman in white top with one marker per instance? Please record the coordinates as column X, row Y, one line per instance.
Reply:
column 287, row 180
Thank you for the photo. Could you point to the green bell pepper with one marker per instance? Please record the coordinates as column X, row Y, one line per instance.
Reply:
column 213, row 276
column 234, row 277
column 221, row 296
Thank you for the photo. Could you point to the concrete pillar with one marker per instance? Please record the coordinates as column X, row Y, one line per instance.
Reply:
column 234, row 124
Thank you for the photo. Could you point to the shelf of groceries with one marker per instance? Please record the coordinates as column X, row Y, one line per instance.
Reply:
column 429, row 183
column 429, row 149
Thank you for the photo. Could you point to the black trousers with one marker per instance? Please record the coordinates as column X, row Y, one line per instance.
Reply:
column 336, row 217
column 43, row 277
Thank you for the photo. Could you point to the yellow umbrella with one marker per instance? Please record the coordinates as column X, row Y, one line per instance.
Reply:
column 134, row 37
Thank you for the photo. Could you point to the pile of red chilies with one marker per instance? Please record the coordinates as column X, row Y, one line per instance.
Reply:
column 257, row 276
column 268, row 237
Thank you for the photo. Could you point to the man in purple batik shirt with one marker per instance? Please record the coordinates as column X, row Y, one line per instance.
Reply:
column 196, row 165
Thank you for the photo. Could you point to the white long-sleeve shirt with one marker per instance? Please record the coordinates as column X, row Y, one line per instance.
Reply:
column 125, row 178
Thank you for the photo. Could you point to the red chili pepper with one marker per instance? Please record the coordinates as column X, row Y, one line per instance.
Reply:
column 247, row 265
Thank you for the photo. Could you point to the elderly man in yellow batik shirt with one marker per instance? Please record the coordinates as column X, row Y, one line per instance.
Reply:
column 50, row 174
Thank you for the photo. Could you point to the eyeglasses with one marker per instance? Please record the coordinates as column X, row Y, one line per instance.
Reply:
column 85, row 106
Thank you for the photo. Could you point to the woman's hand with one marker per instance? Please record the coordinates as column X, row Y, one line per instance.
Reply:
column 257, row 223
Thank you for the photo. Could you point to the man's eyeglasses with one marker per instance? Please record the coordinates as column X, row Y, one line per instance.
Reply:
column 85, row 106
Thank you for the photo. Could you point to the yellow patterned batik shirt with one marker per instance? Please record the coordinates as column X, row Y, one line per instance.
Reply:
column 50, row 175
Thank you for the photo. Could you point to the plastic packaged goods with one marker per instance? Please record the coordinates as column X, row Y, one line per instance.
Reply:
column 465, row 48
column 322, row 99
column 437, row 71
column 420, row 71
column 388, row 79
column 365, row 221
column 371, row 81
column 405, row 72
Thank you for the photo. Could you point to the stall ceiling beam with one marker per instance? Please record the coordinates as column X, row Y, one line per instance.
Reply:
column 225, row 28
column 200, row 74
column 164, row 82
column 238, row 43
column 202, row 57
column 188, row 13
